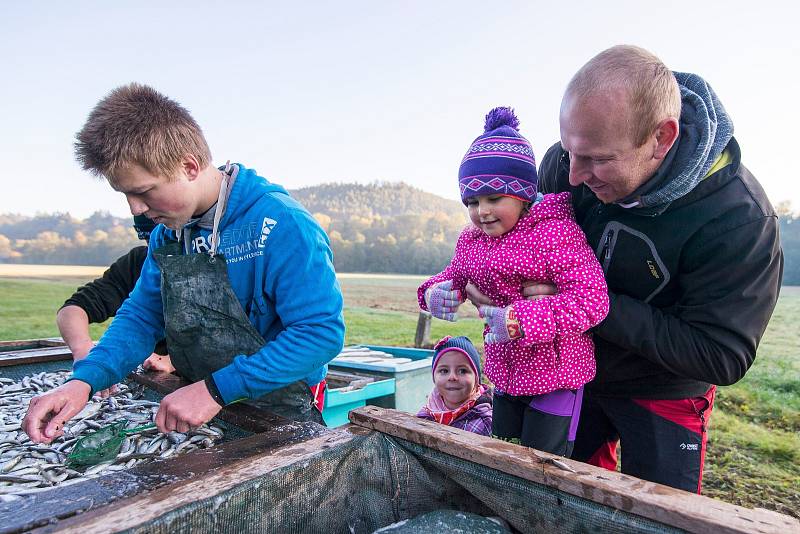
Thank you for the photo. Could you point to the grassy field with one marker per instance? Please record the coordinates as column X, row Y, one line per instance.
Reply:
column 754, row 445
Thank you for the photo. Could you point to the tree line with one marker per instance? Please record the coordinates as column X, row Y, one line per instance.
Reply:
column 374, row 228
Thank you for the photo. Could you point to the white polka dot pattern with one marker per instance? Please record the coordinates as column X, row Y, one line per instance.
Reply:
column 547, row 245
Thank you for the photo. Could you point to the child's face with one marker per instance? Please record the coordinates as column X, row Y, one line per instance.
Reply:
column 495, row 214
column 454, row 378
column 168, row 201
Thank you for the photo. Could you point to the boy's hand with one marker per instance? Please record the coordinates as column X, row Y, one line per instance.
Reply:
column 186, row 408
column 48, row 413
column 443, row 301
column 157, row 362
column 502, row 322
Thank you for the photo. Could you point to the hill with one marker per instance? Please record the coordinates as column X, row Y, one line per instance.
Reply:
column 378, row 227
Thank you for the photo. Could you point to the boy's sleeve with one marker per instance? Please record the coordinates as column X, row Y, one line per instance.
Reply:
column 582, row 298
column 301, row 282
column 133, row 333
column 451, row 272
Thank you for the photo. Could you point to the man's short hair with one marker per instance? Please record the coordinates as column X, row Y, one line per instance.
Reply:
column 652, row 90
column 136, row 125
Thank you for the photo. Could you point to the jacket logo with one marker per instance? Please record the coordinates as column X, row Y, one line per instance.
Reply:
column 653, row 269
column 266, row 229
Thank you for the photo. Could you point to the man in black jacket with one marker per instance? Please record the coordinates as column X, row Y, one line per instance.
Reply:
column 100, row 299
column 689, row 244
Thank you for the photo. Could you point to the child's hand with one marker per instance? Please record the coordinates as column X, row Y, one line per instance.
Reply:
column 443, row 301
column 502, row 323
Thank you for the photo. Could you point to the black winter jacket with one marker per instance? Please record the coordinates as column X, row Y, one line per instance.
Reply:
column 101, row 298
column 692, row 288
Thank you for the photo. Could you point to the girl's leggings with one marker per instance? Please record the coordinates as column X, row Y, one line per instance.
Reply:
column 545, row 422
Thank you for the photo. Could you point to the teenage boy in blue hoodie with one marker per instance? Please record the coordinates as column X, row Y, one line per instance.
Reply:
column 239, row 277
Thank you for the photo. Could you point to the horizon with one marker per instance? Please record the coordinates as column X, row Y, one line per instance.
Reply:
column 363, row 92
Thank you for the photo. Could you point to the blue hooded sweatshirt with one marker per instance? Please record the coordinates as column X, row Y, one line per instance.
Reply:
column 280, row 266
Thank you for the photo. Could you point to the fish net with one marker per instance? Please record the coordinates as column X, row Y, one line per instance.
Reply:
column 100, row 446
column 373, row 481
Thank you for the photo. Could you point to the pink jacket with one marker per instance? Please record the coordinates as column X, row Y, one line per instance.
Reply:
column 547, row 245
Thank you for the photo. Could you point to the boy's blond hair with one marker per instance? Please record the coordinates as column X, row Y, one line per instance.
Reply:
column 653, row 92
column 136, row 125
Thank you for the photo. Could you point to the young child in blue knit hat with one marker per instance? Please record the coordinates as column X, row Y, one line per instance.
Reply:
column 539, row 353
column 458, row 398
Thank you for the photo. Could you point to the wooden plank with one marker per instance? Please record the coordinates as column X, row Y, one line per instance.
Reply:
column 143, row 508
column 29, row 356
column 22, row 344
column 688, row 511
column 242, row 415
column 46, row 508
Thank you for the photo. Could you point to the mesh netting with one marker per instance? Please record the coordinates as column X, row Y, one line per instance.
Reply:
column 373, row 481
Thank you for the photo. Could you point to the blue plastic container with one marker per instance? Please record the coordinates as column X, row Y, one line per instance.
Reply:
column 412, row 379
column 339, row 401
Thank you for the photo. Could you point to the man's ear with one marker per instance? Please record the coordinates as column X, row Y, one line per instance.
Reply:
column 666, row 135
column 190, row 167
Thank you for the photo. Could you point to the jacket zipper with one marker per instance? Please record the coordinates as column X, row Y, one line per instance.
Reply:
column 606, row 254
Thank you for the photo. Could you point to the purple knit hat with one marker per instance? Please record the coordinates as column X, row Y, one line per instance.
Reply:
column 500, row 161
column 463, row 345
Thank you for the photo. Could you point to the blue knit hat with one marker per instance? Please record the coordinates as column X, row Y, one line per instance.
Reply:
column 461, row 344
column 143, row 226
column 500, row 161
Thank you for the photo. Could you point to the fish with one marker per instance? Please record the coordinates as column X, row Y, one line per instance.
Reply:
column 27, row 467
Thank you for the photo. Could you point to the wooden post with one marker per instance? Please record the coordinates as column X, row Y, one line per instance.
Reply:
column 422, row 340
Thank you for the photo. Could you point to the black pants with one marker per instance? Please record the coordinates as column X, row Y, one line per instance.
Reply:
column 514, row 420
column 662, row 441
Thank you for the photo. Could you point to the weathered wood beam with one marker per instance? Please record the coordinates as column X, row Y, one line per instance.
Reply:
column 23, row 357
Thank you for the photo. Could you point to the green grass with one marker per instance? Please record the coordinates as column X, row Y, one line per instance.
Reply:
column 28, row 307
column 754, row 449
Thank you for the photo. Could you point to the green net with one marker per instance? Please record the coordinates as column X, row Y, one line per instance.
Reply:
column 100, row 446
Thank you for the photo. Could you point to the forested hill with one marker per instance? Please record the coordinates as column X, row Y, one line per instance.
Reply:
column 379, row 227
column 376, row 199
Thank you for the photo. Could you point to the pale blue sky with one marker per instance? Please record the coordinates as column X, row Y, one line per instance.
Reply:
column 363, row 91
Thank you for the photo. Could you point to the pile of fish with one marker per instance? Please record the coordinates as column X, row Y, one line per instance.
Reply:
column 27, row 467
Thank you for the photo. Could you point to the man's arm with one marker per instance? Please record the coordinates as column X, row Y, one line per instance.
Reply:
column 302, row 284
column 73, row 324
column 729, row 287
column 101, row 298
column 581, row 299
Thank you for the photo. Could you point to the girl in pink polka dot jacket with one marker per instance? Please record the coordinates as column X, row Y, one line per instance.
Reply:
column 539, row 353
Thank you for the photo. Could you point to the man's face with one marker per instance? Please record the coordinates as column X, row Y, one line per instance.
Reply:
column 596, row 133
column 171, row 202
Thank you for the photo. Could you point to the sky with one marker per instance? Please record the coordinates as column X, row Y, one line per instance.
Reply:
column 312, row 92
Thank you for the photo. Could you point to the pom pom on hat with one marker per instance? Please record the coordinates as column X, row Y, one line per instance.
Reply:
column 500, row 116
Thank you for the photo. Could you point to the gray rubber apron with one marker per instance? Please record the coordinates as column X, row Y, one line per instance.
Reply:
column 206, row 327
